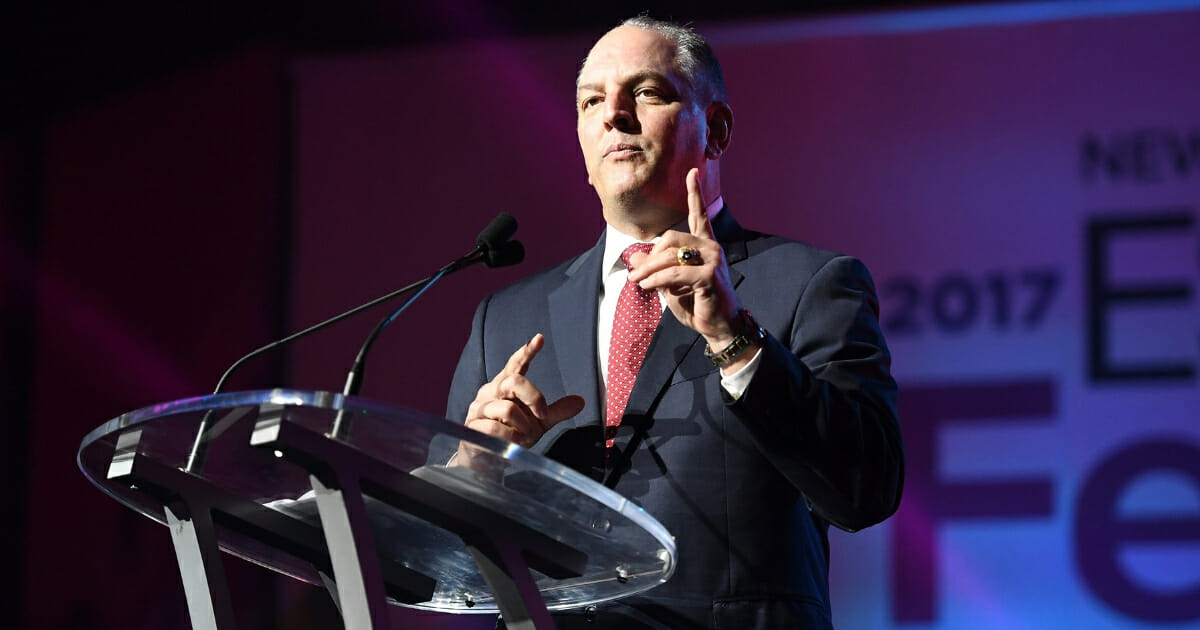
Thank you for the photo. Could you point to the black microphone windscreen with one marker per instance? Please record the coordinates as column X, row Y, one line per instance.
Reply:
column 508, row 253
column 499, row 230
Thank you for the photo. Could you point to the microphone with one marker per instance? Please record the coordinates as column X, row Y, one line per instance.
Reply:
column 507, row 253
column 497, row 232
column 492, row 247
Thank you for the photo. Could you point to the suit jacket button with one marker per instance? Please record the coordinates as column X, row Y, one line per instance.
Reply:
column 589, row 614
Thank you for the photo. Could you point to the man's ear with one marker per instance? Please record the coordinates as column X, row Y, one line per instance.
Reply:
column 720, row 129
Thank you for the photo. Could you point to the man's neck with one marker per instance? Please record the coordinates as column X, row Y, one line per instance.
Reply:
column 645, row 222
column 646, row 232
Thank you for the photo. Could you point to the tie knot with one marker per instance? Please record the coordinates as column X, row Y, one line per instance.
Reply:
column 636, row 247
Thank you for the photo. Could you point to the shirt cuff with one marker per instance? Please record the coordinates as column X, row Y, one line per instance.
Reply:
column 736, row 384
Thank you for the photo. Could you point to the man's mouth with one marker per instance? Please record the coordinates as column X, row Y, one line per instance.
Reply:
column 618, row 151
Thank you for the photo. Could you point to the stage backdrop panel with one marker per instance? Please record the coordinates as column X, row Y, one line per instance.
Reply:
column 157, row 265
column 1023, row 184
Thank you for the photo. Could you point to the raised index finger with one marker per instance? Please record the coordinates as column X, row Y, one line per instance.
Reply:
column 519, row 362
column 697, row 214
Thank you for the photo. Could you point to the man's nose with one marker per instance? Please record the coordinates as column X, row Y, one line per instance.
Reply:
column 619, row 113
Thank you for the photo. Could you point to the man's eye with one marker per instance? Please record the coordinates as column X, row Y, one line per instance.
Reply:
column 589, row 102
column 648, row 93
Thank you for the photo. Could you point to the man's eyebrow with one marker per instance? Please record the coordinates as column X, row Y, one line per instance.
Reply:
column 633, row 79
column 650, row 75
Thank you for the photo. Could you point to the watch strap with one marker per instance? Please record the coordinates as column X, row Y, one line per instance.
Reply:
column 749, row 334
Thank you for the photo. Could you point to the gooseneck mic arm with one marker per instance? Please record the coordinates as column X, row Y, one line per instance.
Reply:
column 492, row 248
column 507, row 253
column 314, row 328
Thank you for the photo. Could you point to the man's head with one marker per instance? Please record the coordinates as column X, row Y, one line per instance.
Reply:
column 650, row 105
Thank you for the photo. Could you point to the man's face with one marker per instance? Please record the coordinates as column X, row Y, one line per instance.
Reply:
column 639, row 125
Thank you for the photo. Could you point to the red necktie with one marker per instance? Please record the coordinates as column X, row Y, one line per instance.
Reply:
column 637, row 316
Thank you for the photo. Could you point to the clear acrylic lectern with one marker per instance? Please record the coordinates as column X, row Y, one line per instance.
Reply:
column 357, row 496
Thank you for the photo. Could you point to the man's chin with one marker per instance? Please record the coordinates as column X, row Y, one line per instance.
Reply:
column 630, row 196
column 636, row 203
column 635, row 192
column 623, row 189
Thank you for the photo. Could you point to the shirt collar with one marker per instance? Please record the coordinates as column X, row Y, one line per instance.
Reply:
column 615, row 241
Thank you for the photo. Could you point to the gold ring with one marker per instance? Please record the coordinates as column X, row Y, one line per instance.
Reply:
column 688, row 256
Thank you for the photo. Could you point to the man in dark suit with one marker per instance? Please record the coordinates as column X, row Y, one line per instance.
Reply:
column 763, row 410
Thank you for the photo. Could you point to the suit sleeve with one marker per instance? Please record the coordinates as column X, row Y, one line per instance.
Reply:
column 470, row 374
column 822, row 405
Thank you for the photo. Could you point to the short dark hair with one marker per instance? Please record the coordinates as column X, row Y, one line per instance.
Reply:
column 696, row 58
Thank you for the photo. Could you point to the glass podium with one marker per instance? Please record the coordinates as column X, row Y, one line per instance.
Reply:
column 381, row 504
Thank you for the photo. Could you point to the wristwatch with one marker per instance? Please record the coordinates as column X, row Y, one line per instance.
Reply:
column 749, row 334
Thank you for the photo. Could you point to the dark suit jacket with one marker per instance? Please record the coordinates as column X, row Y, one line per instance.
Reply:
column 748, row 488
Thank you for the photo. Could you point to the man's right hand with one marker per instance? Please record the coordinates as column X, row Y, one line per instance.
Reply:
column 513, row 408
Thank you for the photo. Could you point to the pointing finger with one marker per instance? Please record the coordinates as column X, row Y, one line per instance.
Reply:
column 697, row 214
column 519, row 362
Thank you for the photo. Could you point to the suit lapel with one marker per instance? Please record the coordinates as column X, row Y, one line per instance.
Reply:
column 573, row 331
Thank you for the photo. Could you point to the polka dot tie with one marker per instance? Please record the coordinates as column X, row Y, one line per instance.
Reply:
column 637, row 316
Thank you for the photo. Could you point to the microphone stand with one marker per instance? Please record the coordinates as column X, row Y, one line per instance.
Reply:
column 493, row 254
column 197, row 452
column 354, row 377
column 492, row 247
